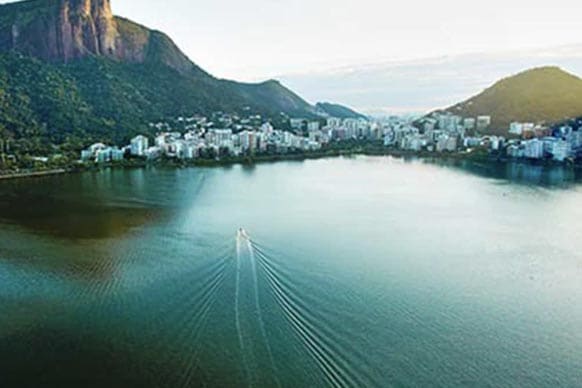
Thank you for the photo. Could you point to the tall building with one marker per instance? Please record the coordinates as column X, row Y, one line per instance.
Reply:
column 534, row 149
column 248, row 140
column 561, row 150
column 334, row 123
column 313, row 126
column 139, row 145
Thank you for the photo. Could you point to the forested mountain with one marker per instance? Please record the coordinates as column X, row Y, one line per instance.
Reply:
column 70, row 71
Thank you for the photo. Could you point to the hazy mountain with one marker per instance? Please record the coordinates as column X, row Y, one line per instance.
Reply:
column 546, row 94
column 336, row 110
column 69, row 68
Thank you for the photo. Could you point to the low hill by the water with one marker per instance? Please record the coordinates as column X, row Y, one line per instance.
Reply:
column 546, row 94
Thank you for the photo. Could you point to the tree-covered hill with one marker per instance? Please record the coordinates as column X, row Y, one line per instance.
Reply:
column 71, row 72
column 546, row 94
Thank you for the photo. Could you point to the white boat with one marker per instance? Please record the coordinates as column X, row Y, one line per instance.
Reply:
column 242, row 235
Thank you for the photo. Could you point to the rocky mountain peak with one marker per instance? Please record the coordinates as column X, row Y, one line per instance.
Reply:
column 85, row 27
column 67, row 30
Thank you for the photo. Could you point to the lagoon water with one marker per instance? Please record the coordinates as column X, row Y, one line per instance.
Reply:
column 360, row 272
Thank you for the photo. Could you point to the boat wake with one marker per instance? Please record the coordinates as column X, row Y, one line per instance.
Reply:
column 261, row 279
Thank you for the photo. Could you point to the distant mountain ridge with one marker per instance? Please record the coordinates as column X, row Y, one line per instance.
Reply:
column 71, row 69
column 540, row 95
column 339, row 111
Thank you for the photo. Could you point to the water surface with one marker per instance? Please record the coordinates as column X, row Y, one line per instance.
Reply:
column 361, row 272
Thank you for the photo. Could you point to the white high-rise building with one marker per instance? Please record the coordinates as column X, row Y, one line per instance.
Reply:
column 534, row 149
column 313, row 126
column 561, row 150
column 334, row 123
column 139, row 145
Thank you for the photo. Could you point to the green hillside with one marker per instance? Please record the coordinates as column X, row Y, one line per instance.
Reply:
column 546, row 94
column 100, row 99
column 107, row 80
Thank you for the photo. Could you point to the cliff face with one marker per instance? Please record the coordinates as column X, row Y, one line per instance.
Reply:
column 65, row 30
column 85, row 27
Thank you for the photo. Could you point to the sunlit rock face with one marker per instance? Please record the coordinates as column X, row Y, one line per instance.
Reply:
column 60, row 30
column 86, row 27
column 66, row 30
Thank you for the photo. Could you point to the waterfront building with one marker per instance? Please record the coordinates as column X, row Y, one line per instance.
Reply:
column 561, row 150
column 117, row 155
column 103, row 156
column 534, row 149
column 94, row 150
column 108, row 154
column 514, row 151
column 139, row 145
column 297, row 124
column 160, row 140
column 446, row 143
column 154, row 153
column 495, row 143
column 248, row 140
column 86, row 155
column 451, row 145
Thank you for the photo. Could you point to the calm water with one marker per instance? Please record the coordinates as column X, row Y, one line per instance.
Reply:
column 361, row 272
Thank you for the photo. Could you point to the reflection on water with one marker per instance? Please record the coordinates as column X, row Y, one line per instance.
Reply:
column 360, row 272
column 553, row 176
column 89, row 206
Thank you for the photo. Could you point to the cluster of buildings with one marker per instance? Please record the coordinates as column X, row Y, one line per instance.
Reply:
column 200, row 138
column 101, row 153
column 439, row 132
column 211, row 142
column 559, row 144
column 223, row 135
column 446, row 132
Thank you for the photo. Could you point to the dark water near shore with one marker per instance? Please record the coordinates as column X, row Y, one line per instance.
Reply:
column 361, row 272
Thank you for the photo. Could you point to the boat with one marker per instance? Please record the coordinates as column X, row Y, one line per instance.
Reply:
column 242, row 234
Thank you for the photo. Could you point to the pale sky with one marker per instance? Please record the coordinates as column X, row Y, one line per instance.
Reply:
column 302, row 41
column 256, row 39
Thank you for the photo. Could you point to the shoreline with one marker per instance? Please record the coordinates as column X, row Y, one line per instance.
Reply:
column 264, row 159
column 34, row 174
